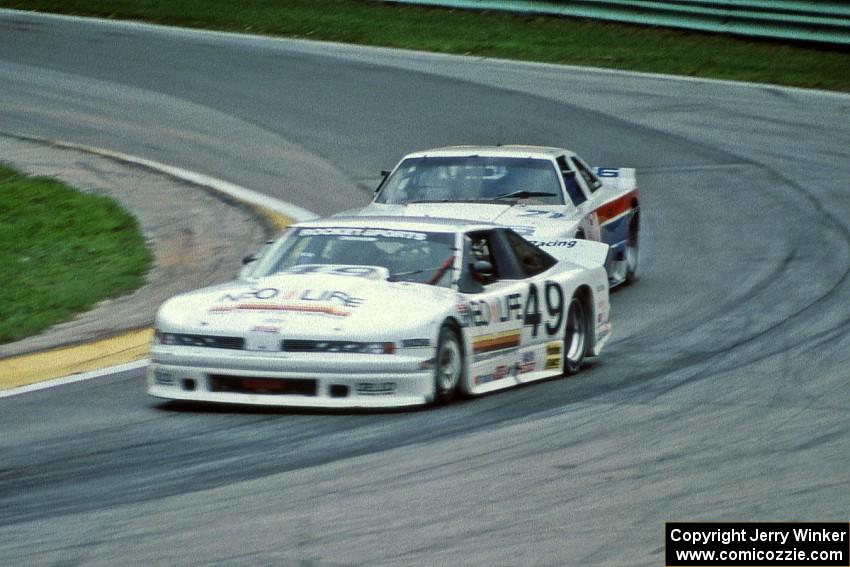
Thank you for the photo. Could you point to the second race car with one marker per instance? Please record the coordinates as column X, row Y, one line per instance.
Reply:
column 376, row 312
column 548, row 195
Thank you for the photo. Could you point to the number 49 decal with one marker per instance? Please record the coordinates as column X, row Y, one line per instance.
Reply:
column 553, row 298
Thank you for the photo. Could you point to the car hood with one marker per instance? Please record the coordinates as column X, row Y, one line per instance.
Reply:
column 308, row 306
column 527, row 219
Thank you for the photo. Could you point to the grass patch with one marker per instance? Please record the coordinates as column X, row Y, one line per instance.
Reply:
column 61, row 251
column 491, row 34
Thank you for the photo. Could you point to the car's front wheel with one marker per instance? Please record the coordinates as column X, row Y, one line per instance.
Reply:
column 575, row 336
column 448, row 367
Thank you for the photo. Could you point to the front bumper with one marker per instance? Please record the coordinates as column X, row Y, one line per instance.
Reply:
column 292, row 380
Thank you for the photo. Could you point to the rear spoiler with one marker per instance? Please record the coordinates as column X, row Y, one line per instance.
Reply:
column 585, row 253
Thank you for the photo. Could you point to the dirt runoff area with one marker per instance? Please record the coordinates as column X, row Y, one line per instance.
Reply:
column 198, row 237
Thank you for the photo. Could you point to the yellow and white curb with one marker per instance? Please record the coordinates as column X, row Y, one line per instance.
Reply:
column 19, row 373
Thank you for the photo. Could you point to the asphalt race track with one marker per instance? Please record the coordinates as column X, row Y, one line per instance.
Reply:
column 723, row 396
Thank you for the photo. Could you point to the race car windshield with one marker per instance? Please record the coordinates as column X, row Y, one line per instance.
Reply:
column 464, row 178
column 409, row 255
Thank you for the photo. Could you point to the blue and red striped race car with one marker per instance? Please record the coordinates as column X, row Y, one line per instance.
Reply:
column 548, row 195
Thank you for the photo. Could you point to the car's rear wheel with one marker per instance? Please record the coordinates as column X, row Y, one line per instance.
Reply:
column 632, row 249
column 575, row 336
column 448, row 367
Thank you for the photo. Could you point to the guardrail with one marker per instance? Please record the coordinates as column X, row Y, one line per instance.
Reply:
column 814, row 20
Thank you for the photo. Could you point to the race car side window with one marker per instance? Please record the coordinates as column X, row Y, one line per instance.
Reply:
column 591, row 180
column 480, row 252
column 532, row 259
column 577, row 196
column 481, row 266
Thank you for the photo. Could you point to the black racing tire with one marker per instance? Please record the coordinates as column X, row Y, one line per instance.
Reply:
column 448, row 365
column 576, row 336
column 632, row 250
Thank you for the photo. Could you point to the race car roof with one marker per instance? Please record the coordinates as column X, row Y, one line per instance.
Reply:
column 427, row 224
column 544, row 152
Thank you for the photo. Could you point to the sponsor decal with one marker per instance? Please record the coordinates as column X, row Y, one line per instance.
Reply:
column 524, row 230
column 500, row 373
column 496, row 342
column 553, row 356
column 363, row 232
column 330, row 302
column 264, row 293
column 263, row 337
column 339, row 297
column 483, row 312
column 608, row 172
column 600, row 306
column 464, row 314
column 541, row 213
column 371, row 272
column 601, row 315
column 569, row 243
column 265, row 329
column 484, row 378
column 528, row 363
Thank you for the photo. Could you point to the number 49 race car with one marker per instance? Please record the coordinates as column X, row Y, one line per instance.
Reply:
column 380, row 312
column 548, row 195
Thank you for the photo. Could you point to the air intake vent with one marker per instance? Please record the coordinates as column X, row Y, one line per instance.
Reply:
column 211, row 341
column 263, row 385
column 301, row 345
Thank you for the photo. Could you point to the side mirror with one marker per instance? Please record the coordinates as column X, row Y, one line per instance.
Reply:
column 249, row 258
column 483, row 268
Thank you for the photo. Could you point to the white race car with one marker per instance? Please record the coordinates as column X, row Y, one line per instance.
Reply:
column 548, row 195
column 379, row 312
